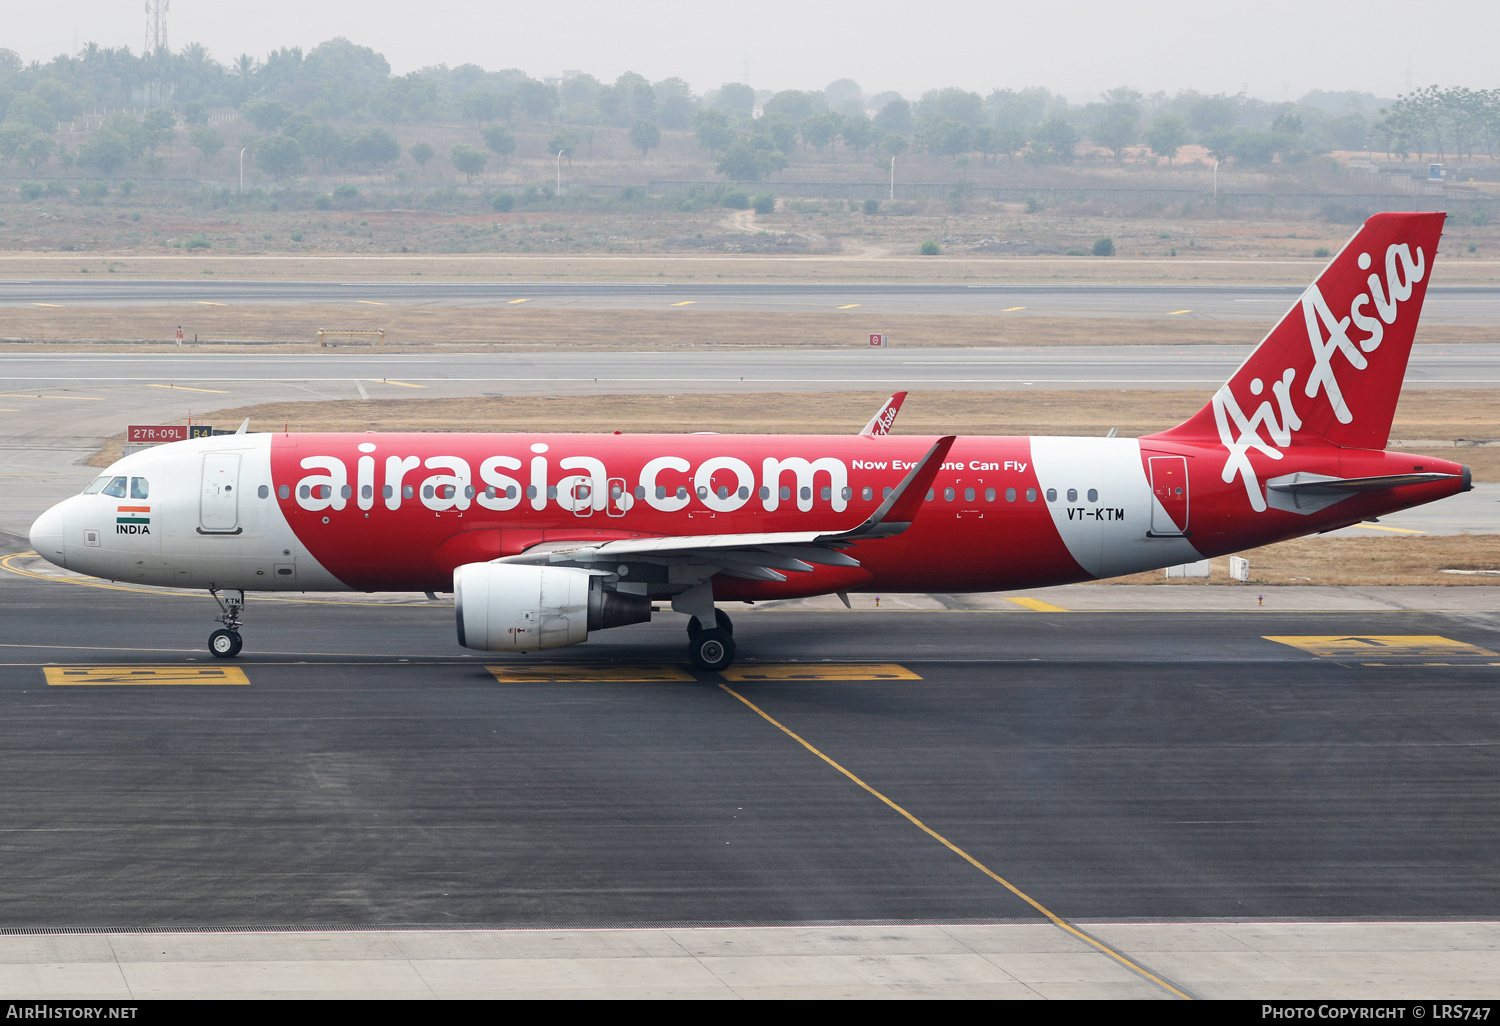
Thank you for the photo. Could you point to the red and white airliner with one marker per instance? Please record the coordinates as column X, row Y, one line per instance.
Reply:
column 543, row 538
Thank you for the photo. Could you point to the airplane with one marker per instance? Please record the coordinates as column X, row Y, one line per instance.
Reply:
column 544, row 538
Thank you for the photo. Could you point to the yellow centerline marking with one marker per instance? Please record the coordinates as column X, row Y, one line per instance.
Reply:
column 115, row 675
column 818, row 671
column 89, row 398
column 1395, row 530
column 1037, row 604
column 370, row 302
column 47, row 304
column 848, row 306
column 686, row 302
column 208, row 302
column 393, row 381
column 1174, row 313
column 513, row 302
column 1055, row 919
column 185, row 388
column 1012, row 309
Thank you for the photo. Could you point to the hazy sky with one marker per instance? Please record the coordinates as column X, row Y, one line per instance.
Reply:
column 1274, row 49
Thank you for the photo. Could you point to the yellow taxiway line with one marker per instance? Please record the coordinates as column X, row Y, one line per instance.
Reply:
column 1037, row 604
column 1052, row 917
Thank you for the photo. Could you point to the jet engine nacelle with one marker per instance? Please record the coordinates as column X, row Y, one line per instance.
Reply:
column 502, row 607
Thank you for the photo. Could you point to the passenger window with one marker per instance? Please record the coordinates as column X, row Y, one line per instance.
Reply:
column 1010, row 495
column 765, row 493
column 682, row 491
column 989, row 495
column 140, row 488
column 367, row 491
column 427, row 491
column 116, row 488
column 867, row 493
column 408, row 491
column 930, row 493
column 827, row 493
column 947, row 494
column 661, row 491
column 468, row 491
column 640, row 491
column 530, row 491
column 702, row 492
column 263, row 492
column 968, row 495
column 96, row 484
column 786, row 492
column 345, row 491
column 1031, row 495
column 489, row 493
column 1051, row 494
column 723, row 491
column 552, row 491
column 744, row 493
column 1093, row 495
column 284, row 492
column 510, row 491
column 805, row 493
column 304, row 492
column 1072, row 494
column 387, row 492
column 887, row 493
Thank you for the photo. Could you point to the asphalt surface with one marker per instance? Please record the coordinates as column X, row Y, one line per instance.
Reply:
column 1109, row 765
column 1458, row 304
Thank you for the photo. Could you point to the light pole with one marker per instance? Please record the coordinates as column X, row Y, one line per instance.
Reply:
column 559, row 174
column 242, row 171
column 1216, row 179
column 893, row 178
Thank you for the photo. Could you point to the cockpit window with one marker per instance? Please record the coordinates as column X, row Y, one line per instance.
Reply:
column 115, row 488
column 140, row 488
column 96, row 484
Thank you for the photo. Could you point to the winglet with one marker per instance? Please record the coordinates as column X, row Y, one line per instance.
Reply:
column 880, row 424
column 244, row 426
column 896, row 513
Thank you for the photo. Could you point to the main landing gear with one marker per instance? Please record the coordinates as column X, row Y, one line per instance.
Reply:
column 711, row 648
column 226, row 643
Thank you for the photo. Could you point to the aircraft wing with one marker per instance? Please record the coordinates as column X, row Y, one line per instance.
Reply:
column 765, row 556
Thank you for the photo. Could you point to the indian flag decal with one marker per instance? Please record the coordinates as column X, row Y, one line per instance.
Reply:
column 133, row 515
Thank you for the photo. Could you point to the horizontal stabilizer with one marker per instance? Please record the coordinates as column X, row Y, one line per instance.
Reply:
column 1307, row 493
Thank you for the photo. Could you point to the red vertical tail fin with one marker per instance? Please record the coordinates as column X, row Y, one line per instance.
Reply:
column 1331, row 371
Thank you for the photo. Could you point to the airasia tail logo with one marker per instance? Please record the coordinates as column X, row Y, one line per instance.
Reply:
column 1240, row 433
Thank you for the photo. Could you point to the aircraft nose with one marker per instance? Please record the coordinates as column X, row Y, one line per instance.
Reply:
column 48, row 534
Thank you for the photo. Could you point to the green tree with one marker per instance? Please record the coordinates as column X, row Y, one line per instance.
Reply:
column 469, row 160
column 158, row 126
column 745, row 161
column 32, row 110
column 537, row 100
column 645, row 136
column 36, row 151
column 1168, row 134
column 1117, row 129
column 1057, row 138
column 858, row 132
column 946, row 137
column 371, row 146
column 478, row 104
column 422, row 152
column 735, row 99
column 207, row 141
column 323, row 142
column 712, row 130
column 266, row 115
column 107, row 149
column 279, row 156
column 563, row 141
column 501, row 142
column 821, row 130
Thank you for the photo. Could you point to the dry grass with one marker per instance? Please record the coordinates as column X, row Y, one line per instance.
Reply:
column 1357, row 562
column 570, row 328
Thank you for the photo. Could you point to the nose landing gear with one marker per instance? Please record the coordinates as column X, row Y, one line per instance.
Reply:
column 226, row 642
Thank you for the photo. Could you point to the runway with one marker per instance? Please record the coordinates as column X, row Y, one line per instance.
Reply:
column 1458, row 304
